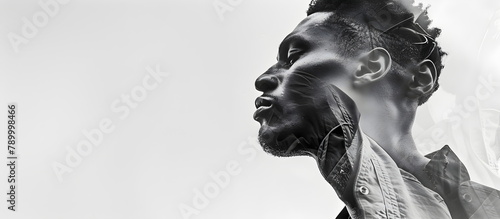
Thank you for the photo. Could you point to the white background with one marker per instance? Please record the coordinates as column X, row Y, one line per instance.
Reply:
column 90, row 53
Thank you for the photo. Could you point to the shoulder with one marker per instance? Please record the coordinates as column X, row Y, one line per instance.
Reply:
column 464, row 198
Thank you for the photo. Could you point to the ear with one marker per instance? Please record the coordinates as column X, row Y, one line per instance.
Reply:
column 374, row 65
column 423, row 79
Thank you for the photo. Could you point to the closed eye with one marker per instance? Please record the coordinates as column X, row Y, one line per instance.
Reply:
column 293, row 55
column 291, row 49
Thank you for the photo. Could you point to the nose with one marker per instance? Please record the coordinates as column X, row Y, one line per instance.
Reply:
column 266, row 82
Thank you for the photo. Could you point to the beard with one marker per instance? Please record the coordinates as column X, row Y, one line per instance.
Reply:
column 303, row 139
column 312, row 119
column 299, row 122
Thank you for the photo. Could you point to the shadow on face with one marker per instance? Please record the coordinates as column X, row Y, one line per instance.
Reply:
column 293, row 110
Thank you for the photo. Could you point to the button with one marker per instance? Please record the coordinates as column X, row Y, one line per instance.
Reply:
column 467, row 197
column 364, row 190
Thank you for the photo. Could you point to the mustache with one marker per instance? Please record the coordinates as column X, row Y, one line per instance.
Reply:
column 303, row 89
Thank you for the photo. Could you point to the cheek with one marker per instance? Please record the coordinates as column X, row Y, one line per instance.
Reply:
column 330, row 71
column 304, row 103
column 303, row 92
column 324, row 65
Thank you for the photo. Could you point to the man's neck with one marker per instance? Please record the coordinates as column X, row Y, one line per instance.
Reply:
column 392, row 131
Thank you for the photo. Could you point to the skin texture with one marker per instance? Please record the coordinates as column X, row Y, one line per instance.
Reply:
column 293, row 99
column 293, row 105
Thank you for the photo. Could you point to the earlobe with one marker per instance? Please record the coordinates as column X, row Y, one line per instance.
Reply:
column 424, row 78
column 374, row 65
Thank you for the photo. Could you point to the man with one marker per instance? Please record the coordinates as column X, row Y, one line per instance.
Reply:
column 345, row 90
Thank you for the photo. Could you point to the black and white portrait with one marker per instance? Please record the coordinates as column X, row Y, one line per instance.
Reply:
column 250, row 109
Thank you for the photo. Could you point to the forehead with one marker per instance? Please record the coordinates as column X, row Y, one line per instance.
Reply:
column 312, row 21
column 312, row 29
column 315, row 19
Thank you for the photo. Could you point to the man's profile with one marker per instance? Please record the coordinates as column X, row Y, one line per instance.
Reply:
column 345, row 90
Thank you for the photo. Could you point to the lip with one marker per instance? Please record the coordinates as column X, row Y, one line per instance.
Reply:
column 263, row 104
column 263, row 101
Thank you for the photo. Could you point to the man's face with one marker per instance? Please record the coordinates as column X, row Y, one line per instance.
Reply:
column 294, row 101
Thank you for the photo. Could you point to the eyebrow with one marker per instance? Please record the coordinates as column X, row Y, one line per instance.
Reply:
column 285, row 44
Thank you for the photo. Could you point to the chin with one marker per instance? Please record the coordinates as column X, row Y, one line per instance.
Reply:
column 283, row 142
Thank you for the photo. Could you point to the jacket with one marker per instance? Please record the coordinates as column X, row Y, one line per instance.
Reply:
column 371, row 185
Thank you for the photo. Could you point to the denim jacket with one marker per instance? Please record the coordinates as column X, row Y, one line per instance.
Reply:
column 371, row 185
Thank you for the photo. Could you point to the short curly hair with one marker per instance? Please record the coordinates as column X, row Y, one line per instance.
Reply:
column 397, row 25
